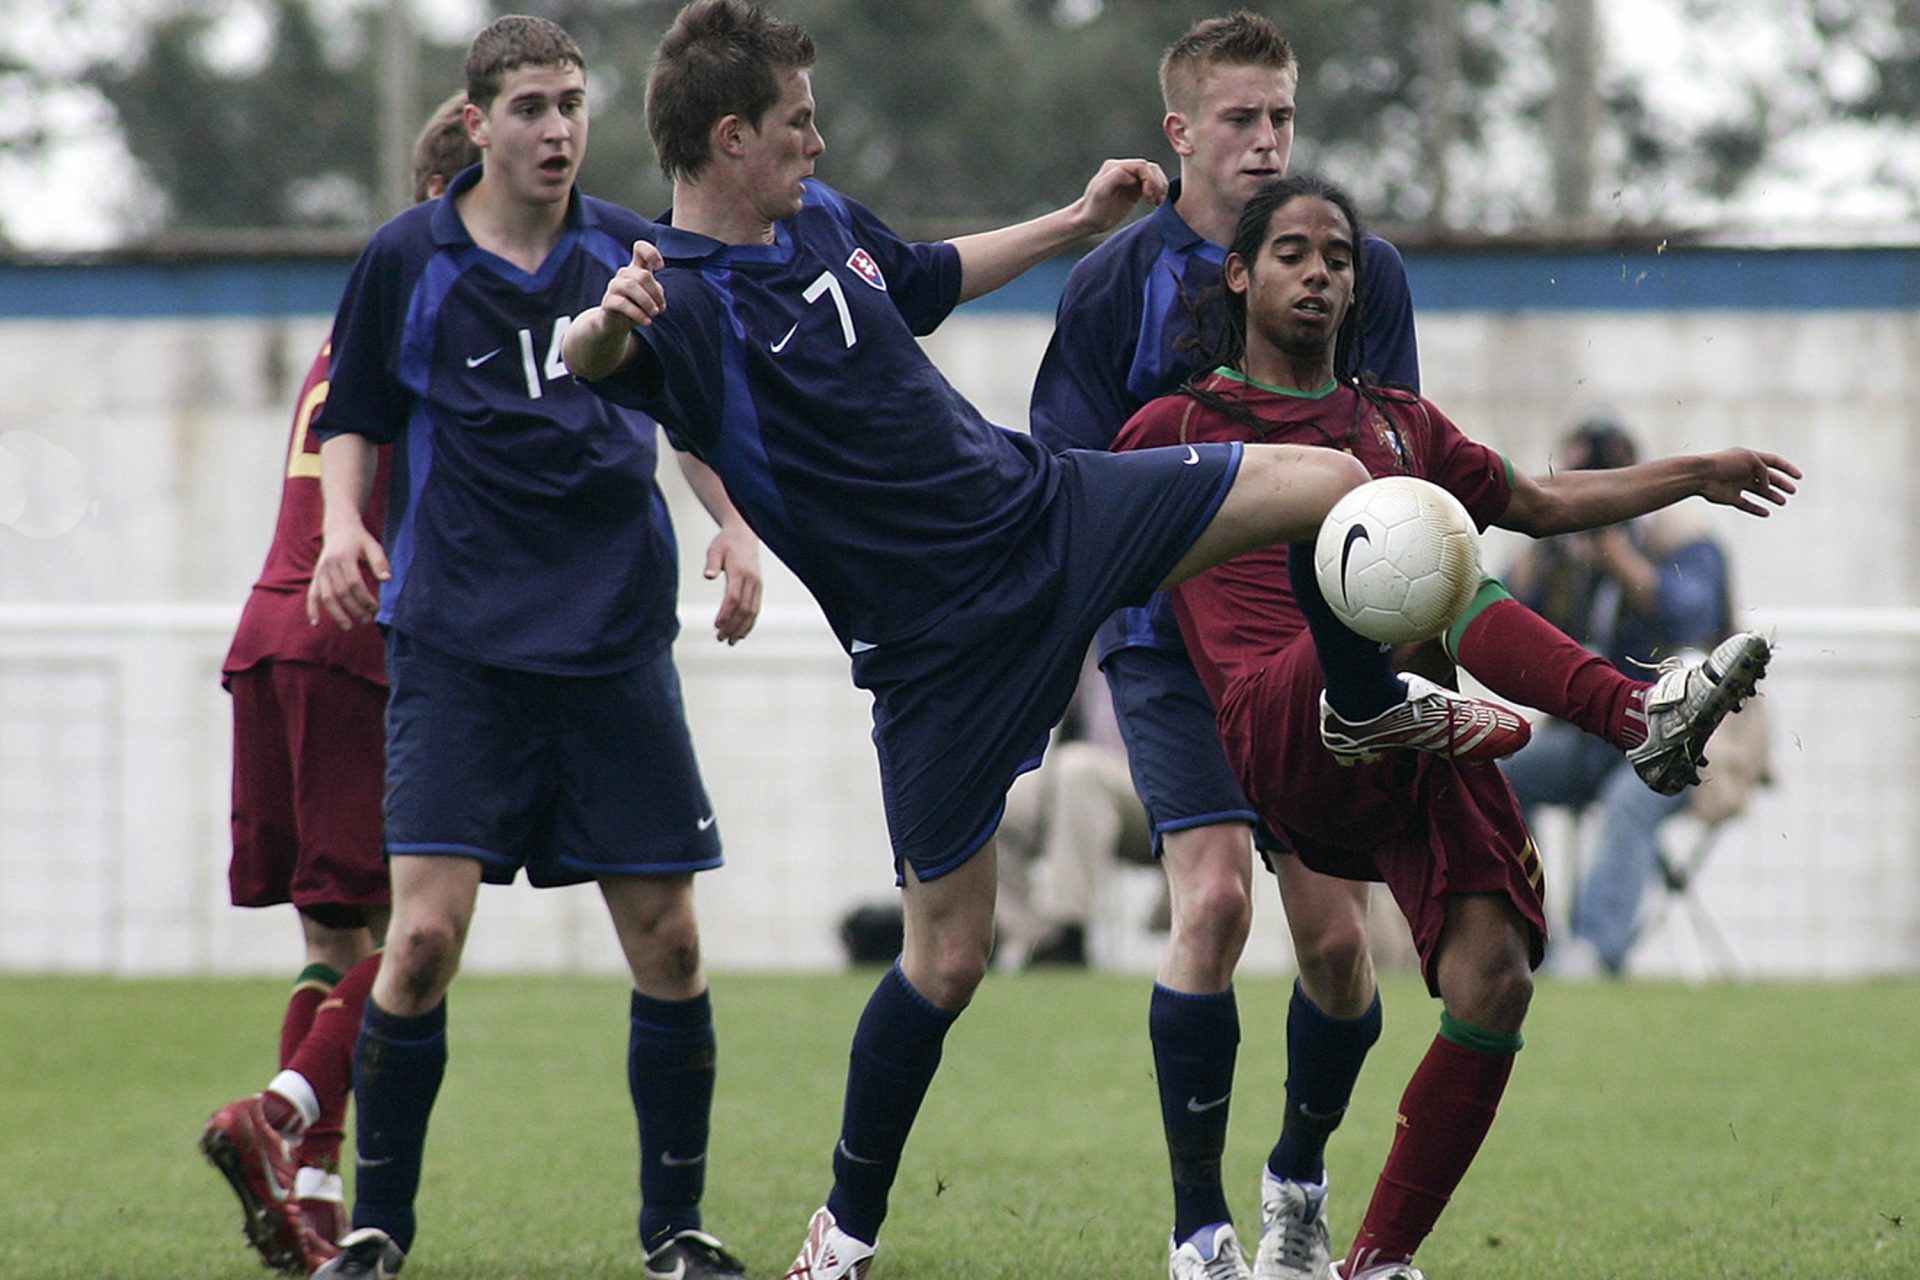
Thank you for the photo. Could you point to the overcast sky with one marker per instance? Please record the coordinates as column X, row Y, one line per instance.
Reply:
column 85, row 192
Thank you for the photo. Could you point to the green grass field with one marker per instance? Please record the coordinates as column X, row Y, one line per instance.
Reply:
column 1651, row 1130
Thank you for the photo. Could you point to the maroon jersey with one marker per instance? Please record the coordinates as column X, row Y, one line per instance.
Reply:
column 1429, row 828
column 1238, row 616
column 273, row 625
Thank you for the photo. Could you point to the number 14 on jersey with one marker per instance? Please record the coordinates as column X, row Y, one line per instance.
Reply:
column 553, row 366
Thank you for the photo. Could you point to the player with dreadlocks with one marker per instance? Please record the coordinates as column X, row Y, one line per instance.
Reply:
column 1445, row 836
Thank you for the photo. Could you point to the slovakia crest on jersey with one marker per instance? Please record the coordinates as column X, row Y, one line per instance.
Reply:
column 869, row 270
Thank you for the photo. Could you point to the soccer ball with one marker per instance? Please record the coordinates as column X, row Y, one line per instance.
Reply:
column 1398, row 559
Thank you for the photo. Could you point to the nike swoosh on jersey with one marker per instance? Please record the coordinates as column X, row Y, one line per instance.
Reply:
column 704, row 823
column 1193, row 455
column 474, row 362
column 785, row 338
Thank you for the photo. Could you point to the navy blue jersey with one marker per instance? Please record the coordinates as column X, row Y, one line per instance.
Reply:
column 523, row 523
column 792, row 369
column 1134, row 324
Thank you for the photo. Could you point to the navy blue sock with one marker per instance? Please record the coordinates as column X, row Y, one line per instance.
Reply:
column 896, row 1050
column 670, row 1064
column 1358, row 671
column 1195, row 1041
column 397, row 1065
column 1323, row 1061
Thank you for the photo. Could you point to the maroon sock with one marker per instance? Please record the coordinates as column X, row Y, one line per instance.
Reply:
column 1525, row 659
column 325, row 1058
column 306, row 998
column 1445, row 1113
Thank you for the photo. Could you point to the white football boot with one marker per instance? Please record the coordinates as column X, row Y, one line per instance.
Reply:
column 1433, row 719
column 1688, row 701
column 1294, row 1241
column 1211, row 1253
column 830, row 1253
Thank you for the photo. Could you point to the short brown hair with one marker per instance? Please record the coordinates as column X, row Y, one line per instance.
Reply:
column 1241, row 39
column 443, row 148
column 513, row 42
column 719, row 58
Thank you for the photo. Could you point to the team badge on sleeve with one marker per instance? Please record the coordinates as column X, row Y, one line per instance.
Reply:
column 869, row 270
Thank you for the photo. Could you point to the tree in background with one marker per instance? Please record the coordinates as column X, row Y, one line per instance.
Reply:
column 288, row 140
column 961, row 113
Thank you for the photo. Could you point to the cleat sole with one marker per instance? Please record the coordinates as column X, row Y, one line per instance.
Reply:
column 1731, row 690
column 265, row 1232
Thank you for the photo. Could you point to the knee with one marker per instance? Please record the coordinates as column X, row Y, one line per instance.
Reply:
column 1344, row 471
column 665, row 923
column 946, row 959
column 1498, row 998
column 422, row 957
column 1214, row 914
column 951, row 973
column 1328, row 474
column 1336, row 963
column 339, row 949
column 1511, row 992
column 659, row 932
column 670, row 952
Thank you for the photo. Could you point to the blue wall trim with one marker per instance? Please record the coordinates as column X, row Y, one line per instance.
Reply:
column 1875, row 279
column 1881, row 279
column 1866, row 279
column 153, row 291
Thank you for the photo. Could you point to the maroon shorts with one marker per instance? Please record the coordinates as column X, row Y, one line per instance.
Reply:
column 309, row 769
column 1427, row 827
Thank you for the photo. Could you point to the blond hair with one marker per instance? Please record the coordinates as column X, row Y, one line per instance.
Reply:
column 1240, row 39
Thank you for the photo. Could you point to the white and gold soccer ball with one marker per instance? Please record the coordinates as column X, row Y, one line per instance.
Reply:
column 1398, row 559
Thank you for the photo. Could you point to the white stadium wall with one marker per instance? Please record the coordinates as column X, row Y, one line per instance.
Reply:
column 139, row 465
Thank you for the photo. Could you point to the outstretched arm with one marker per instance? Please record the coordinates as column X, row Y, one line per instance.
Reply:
column 990, row 259
column 1566, row 501
column 601, row 339
column 734, row 553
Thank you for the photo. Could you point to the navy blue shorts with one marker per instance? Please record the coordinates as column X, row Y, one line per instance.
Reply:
column 570, row 777
column 960, row 712
column 1179, row 767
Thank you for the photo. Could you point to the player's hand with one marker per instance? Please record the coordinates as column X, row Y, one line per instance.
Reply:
column 600, row 339
column 634, row 294
column 734, row 554
column 1116, row 188
column 338, row 590
column 1737, row 476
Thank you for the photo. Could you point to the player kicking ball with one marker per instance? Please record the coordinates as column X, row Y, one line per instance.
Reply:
column 964, row 567
column 1446, row 836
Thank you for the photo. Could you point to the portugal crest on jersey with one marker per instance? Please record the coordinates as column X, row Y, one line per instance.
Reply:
column 869, row 270
column 1389, row 439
